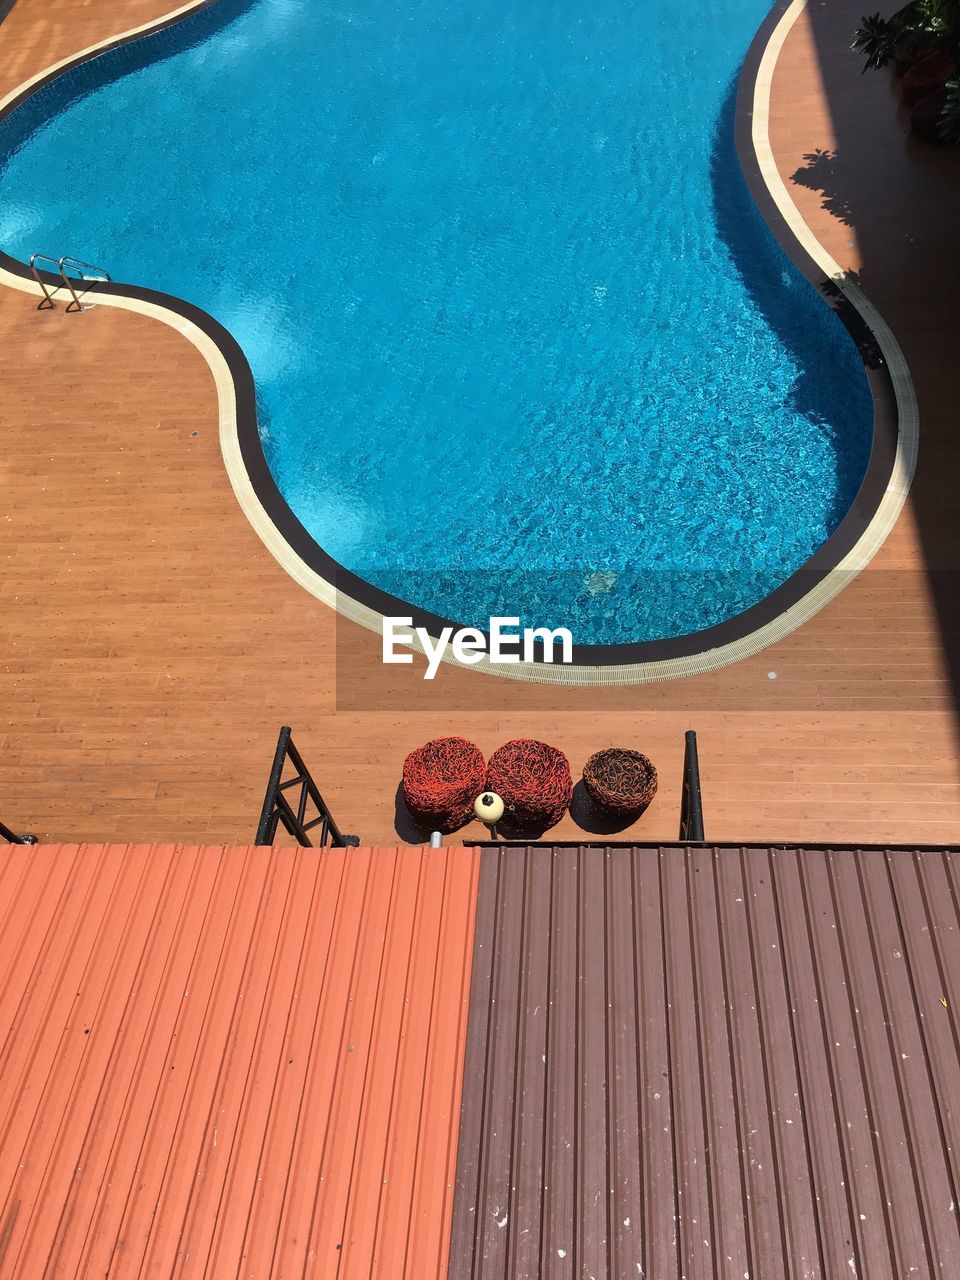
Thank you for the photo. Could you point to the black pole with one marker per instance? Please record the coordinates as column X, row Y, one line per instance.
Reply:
column 264, row 834
column 691, row 805
column 277, row 808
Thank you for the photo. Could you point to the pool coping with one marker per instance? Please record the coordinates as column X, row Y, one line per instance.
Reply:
column 849, row 549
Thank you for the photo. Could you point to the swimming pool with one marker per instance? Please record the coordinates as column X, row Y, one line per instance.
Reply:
column 522, row 343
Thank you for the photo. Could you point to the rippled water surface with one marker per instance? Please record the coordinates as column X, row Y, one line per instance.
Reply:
column 522, row 343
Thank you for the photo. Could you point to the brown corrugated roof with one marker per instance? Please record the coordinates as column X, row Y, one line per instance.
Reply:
column 712, row 1062
column 225, row 1062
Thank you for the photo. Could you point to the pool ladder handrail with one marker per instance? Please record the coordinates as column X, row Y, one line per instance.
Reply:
column 62, row 265
column 81, row 267
column 47, row 300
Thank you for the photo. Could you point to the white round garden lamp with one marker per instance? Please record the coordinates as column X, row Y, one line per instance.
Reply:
column 489, row 809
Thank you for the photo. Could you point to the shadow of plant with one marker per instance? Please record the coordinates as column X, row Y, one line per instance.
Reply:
column 821, row 172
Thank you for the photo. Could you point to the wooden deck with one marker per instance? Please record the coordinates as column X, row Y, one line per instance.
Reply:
column 150, row 647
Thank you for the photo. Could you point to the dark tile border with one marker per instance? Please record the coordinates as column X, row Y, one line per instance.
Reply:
column 773, row 606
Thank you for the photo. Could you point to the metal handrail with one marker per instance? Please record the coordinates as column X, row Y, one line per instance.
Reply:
column 691, row 804
column 63, row 265
column 78, row 265
column 11, row 837
column 277, row 808
column 47, row 300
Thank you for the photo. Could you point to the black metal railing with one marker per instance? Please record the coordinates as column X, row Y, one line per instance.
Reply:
column 309, row 810
column 691, row 803
column 11, row 837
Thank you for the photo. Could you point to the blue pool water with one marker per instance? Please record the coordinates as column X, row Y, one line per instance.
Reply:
column 522, row 343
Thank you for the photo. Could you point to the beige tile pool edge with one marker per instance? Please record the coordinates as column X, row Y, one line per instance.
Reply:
column 856, row 559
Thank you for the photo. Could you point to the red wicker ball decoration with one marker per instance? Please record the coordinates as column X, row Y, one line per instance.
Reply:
column 534, row 782
column 620, row 781
column 441, row 780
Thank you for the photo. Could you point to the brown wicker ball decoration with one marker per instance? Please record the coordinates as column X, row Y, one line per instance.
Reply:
column 441, row 780
column 620, row 781
column 533, row 779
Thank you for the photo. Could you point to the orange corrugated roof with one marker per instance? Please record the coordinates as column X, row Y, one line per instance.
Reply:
column 231, row 1062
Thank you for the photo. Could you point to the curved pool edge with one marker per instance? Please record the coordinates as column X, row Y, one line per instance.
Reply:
column 887, row 481
column 849, row 549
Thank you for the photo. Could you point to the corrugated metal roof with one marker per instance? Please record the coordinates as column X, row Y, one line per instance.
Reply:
column 230, row 1062
column 712, row 1062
